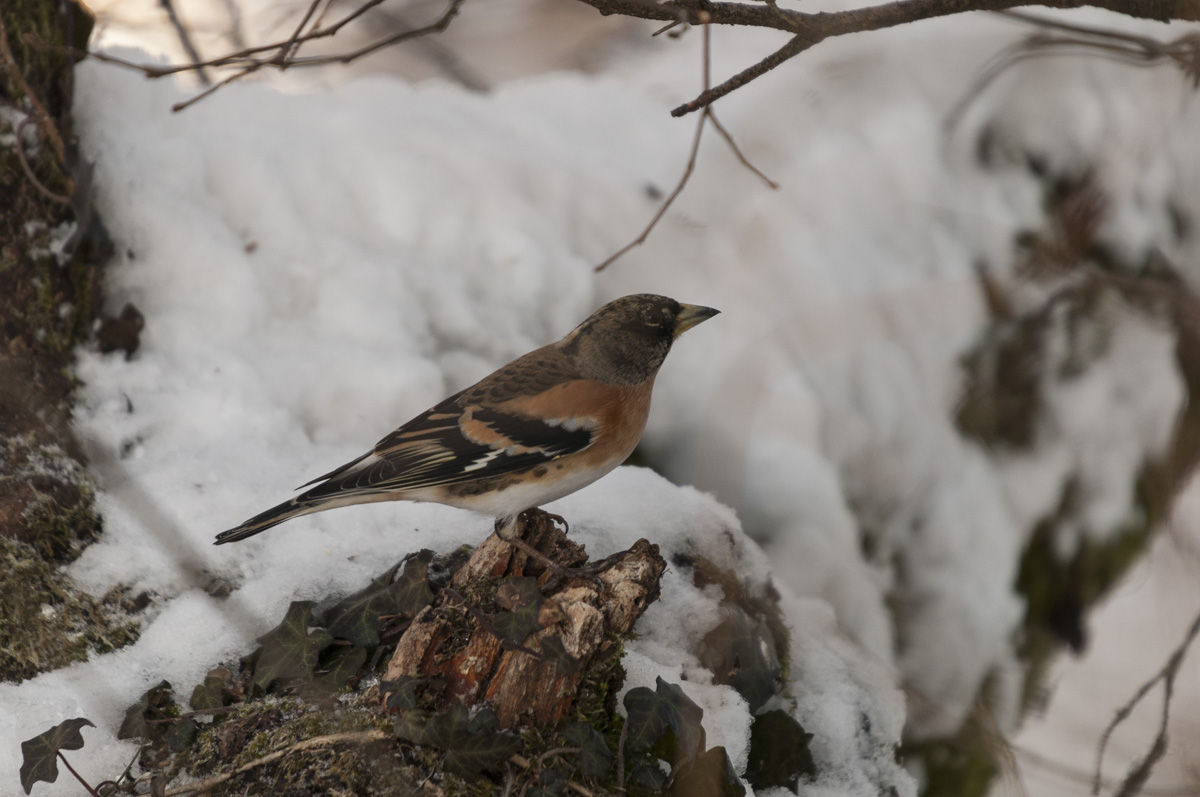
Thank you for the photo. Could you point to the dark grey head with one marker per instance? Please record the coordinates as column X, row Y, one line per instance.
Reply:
column 626, row 340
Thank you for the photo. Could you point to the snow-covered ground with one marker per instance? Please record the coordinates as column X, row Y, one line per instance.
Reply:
column 317, row 266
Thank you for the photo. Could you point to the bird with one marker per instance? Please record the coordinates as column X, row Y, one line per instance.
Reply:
column 543, row 426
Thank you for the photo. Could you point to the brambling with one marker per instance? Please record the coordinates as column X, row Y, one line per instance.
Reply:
column 547, row 424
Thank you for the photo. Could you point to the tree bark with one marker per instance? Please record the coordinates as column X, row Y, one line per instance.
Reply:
column 525, row 685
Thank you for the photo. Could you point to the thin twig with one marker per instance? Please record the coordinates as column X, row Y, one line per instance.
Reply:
column 185, row 39
column 1141, row 771
column 281, row 54
column 437, row 26
column 1081, row 775
column 1087, row 40
column 553, row 752
column 289, row 49
column 796, row 45
column 809, row 29
column 445, row 59
column 705, row 117
column 687, row 173
column 19, row 146
column 235, row 23
column 45, row 123
column 179, row 106
column 738, row 152
column 524, row 763
column 78, row 777
column 316, row 743
column 187, row 715
column 1087, row 30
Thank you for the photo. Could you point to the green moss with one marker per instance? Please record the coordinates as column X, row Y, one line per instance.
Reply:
column 47, row 624
column 596, row 703
column 269, row 725
column 953, row 770
column 47, row 499
column 1059, row 591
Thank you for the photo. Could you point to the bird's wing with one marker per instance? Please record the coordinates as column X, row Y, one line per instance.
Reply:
column 499, row 426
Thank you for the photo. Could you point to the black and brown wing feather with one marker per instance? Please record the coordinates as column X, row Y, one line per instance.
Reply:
column 464, row 438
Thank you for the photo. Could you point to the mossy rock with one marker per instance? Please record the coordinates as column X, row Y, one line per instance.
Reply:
column 47, row 623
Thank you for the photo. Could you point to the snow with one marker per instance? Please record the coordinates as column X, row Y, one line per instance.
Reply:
column 317, row 266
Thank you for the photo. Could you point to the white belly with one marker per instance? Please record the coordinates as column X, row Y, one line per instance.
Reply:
column 517, row 497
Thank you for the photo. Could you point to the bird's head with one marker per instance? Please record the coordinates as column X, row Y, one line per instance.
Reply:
column 626, row 340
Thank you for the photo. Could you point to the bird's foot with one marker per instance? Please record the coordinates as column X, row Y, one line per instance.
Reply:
column 512, row 531
column 559, row 519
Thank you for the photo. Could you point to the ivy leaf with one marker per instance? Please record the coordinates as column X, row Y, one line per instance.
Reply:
column 554, row 650
column 342, row 665
column 551, row 783
column 412, row 588
column 157, row 702
column 484, row 721
column 646, row 718
column 400, row 697
column 779, row 752
column 684, row 717
column 181, row 735
column 709, row 774
column 40, row 754
column 289, row 651
column 595, row 759
column 480, row 754
column 402, row 692
column 665, row 719
column 523, row 597
column 409, row 724
column 468, row 754
column 356, row 617
column 741, row 653
column 649, row 775
column 211, row 693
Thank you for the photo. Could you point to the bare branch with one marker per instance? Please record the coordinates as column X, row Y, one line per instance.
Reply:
column 437, row 26
column 687, row 171
column 179, row 106
column 707, row 116
column 1117, row 45
column 280, row 55
column 811, row 29
column 1140, row 772
column 19, row 146
column 289, row 49
column 795, row 46
column 45, row 123
column 241, row 58
column 315, row 743
column 184, row 39
column 524, row 763
column 725, row 134
column 1079, row 775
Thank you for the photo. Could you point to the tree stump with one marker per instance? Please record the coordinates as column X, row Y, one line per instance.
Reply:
column 534, row 680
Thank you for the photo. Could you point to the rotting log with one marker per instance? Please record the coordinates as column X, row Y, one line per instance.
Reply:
column 452, row 640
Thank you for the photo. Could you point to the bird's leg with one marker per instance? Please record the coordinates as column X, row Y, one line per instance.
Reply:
column 510, row 530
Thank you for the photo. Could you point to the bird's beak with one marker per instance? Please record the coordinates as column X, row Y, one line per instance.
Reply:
column 690, row 315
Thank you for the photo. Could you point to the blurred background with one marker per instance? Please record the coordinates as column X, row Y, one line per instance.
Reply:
column 951, row 395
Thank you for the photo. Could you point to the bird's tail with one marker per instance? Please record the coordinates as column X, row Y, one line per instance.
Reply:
column 300, row 505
